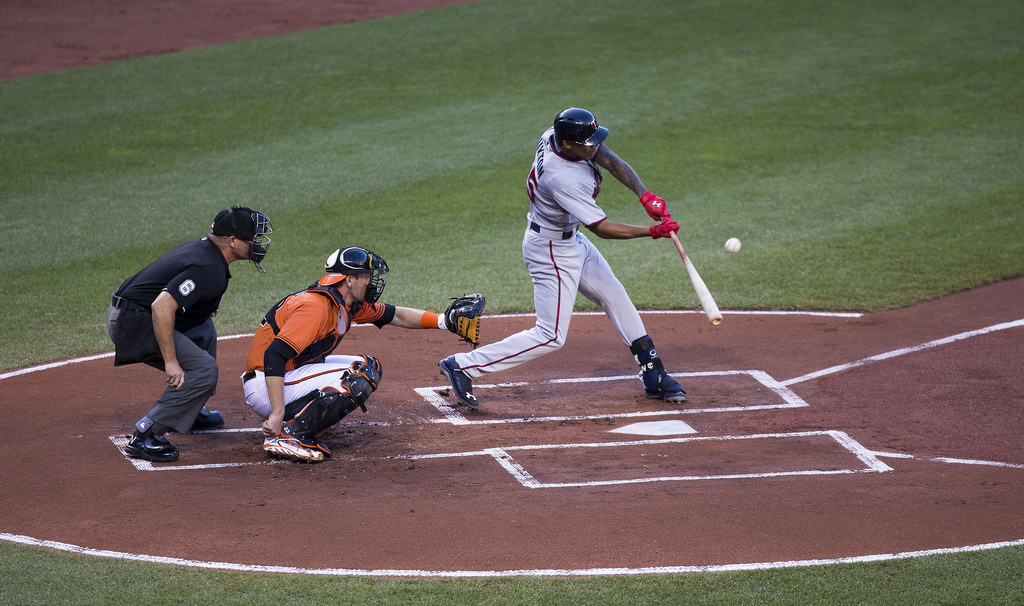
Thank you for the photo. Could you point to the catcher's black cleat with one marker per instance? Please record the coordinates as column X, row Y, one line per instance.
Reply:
column 151, row 447
column 462, row 385
column 207, row 419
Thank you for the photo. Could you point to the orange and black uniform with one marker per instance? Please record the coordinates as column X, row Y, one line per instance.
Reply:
column 304, row 327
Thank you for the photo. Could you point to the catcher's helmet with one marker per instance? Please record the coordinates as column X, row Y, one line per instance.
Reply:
column 577, row 125
column 248, row 225
column 354, row 260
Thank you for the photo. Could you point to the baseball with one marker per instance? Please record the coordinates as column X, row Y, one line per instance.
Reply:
column 732, row 245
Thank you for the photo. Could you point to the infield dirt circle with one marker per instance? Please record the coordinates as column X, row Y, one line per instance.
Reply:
column 806, row 437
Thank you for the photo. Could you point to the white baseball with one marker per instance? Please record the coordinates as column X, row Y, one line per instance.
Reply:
column 733, row 245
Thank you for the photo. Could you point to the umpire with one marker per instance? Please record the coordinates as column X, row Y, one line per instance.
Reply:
column 163, row 317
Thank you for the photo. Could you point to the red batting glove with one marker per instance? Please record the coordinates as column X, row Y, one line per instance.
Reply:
column 663, row 229
column 654, row 206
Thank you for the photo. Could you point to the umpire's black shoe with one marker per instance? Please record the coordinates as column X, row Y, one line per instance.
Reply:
column 151, row 447
column 207, row 419
column 462, row 385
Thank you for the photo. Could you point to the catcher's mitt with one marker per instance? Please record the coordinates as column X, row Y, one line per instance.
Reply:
column 463, row 317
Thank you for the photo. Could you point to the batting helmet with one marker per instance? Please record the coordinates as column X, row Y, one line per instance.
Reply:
column 577, row 125
column 248, row 225
column 354, row 260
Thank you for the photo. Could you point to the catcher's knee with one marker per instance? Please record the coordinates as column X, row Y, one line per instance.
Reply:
column 320, row 413
column 369, row 368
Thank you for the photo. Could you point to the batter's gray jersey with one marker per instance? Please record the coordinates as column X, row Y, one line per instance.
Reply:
column 562, row 263
column 561, row 190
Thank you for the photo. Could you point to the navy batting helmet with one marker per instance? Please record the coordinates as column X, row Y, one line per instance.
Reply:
column 577, row 125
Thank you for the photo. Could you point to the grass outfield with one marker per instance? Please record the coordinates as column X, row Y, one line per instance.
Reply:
column 868, row 154
column 991, row 578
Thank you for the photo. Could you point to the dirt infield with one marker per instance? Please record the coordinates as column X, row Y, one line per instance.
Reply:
column 806, row 437
column 39, row 36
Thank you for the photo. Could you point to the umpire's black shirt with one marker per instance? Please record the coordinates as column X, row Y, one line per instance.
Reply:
column 195, row 273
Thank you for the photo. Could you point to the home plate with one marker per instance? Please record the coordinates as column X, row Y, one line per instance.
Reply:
column 656, row 428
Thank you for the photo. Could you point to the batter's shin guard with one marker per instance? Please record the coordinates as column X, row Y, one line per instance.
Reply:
column 651, row 368
column 657, row 383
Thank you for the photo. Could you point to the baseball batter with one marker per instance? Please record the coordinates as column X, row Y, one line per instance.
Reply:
column 562, row 186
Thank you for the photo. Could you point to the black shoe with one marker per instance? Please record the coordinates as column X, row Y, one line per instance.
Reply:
column 462, row 385
column 207, row 419
column 151, row 447
column 668, row 390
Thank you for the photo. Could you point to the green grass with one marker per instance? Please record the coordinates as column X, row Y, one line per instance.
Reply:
column 991, row 578
column 868, row 154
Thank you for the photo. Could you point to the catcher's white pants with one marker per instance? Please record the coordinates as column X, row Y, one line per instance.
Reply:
column 560, row 269
column 298, row 382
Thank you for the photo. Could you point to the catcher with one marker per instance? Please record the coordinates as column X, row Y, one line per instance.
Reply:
column 293, row 382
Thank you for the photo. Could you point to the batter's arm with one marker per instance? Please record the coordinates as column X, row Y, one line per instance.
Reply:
column 164, row 309
column 613, row 230
column 620, row 169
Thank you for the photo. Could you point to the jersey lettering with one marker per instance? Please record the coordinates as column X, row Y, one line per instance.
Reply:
column 186, row 288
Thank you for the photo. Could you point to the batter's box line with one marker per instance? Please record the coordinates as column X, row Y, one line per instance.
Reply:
column 120, row 441
column 142, row 465
column 789, row 399
column 501, row 455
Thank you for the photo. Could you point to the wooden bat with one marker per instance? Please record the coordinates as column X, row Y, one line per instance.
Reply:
column 707, row 302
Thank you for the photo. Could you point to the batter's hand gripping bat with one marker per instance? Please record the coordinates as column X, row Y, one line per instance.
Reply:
column 707, row 302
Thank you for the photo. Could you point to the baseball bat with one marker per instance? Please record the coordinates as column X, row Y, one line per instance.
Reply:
column 707, row 302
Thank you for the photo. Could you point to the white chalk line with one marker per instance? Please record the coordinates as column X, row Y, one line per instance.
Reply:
column 906, row 350
column 948, row 460
column 871, row 462
column 546, row 572
column 452, row 415
column 31, row 369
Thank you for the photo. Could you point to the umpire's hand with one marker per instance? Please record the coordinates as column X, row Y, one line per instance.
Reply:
column 175, row 375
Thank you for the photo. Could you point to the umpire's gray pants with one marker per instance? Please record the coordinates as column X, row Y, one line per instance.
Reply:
column 178, row 408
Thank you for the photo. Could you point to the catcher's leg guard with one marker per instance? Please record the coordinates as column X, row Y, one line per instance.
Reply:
column 318, row 411
column 657, row 383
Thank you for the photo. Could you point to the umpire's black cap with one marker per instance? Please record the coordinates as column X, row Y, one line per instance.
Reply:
column 237, row 221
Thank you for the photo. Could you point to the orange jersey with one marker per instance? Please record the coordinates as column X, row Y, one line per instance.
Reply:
column 312, row 322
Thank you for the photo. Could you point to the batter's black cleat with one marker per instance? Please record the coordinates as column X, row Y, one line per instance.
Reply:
column 462, row 385
column 207, row 419
column 668, row 390
column 152, row 448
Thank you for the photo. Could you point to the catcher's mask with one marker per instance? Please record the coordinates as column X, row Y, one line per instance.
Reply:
column 248, row 225
column 578, row 125
column 353, row 260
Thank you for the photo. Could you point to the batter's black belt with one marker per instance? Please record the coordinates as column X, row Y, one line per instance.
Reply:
column 247, row 376
column 543, row 231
